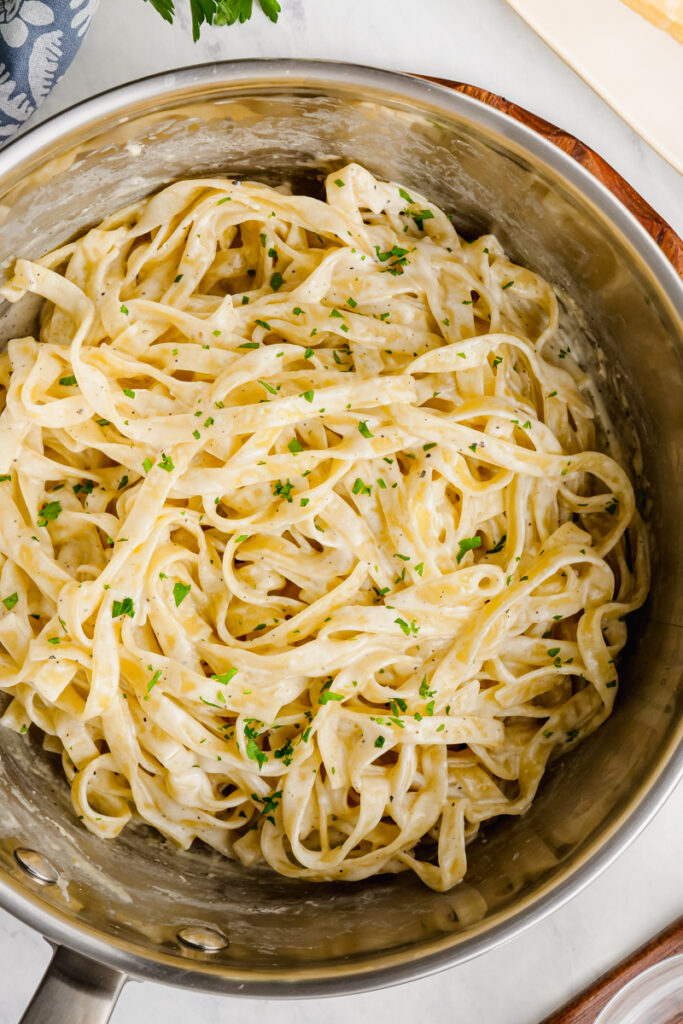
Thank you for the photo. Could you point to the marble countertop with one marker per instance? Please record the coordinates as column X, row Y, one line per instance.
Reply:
column 485, row 43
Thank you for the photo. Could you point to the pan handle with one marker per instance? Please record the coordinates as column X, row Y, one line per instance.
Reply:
column 74, row 990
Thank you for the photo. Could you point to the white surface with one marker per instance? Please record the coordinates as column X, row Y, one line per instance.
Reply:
column 483, row 42
column 639, row 72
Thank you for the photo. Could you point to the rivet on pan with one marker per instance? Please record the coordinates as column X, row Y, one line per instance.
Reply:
column 207, row 939
column 37, row 866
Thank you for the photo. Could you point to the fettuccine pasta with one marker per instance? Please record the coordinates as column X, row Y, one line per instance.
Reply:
column 306, row 550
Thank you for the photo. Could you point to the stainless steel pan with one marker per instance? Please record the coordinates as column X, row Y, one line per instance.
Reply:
column 135, row 907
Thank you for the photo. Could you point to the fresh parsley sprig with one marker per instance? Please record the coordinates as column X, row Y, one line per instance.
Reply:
column 217, row 12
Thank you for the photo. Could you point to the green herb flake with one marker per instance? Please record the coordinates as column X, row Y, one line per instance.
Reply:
column 124, row 607
column 9, row 602
column 276, row 281
column 147, row 465
column 225, row 677
column 308, row 395
column 295, row 446
column 364, row 429
column 465, row 545
column 68, row 382
column 166, row 463
column 49, row 512
column 499, row 546
column 180, row 592
column 329, row 695
column 283, row 490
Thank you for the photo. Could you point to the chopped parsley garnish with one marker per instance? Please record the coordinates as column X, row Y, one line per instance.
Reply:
column 308, row 395
column 49, row 512
column 129, row 392
column 499, row 546
column 124, row 309
column 166, row 463
column 124, row 607
column 249, row 344
column 263, row 323
column 283, row 490
column 295, row 446
column 122, row 482
column 339, row 183
column 268, row 387
column 276, row 281
column 269, row 803
column 360, row 488
column 379, row 742
column 397, row 254
column 225, row 677
column 147, row 465
column 86, row 486
column 9, row 602
column 180, row 592
column 327, row 695
column 253, row 750
column 420, row 217
column 465, row 545
column 364, row 429
column 153, row 681
column 68, row 382
column 508, row 285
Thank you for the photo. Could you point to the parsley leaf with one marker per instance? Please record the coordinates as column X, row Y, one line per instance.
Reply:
column 225, row 677
column 49, row 512
column 124, row 607
column 180, row 592
column 466, row 545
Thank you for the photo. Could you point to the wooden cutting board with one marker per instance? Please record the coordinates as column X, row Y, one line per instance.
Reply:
column 634, row 66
